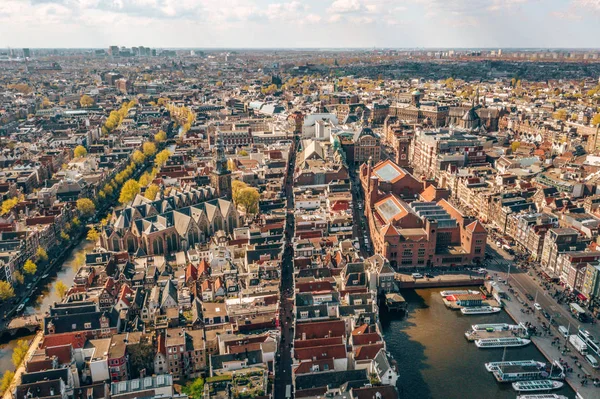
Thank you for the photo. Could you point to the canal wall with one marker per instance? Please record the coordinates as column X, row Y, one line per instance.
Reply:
column 442, row 282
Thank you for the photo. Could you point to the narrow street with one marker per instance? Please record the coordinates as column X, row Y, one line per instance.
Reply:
column 283, row 373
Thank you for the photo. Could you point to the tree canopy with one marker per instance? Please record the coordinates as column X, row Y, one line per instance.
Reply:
column 80, row 151
column 162, row 157
column 149, row 149
column 151, row 192
column 138, row 157
column 248, row 199
column 86, row 207
column 86, row 101
column 6, row 290
column 61, row 289
column 160, row 136
column 92, row 235
column 41, row 254
column 130, row 189
column 30, row 268
column 9, row 204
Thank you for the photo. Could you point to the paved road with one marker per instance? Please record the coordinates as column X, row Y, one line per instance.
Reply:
column 359, row 216
column 283, row 373
column 531, row 284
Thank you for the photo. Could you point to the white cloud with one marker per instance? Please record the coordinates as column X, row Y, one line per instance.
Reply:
column 345, row 6
column 589, row 4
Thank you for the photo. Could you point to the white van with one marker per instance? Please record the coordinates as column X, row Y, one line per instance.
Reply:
column 592, row 360
column 563, row 330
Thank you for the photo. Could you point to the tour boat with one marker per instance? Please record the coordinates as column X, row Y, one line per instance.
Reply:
column 486, row 343
column 494, row 327
column 479, row 310
column 521, row 373
column 457, row 292
column 494, row 366
column 538, row 385
column 542, row 396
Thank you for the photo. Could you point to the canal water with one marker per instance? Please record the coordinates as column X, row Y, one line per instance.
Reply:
column 44, row 296
column 434, row 358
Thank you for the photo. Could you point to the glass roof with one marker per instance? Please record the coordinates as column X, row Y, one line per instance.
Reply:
column 388, row 172
column 389, row 209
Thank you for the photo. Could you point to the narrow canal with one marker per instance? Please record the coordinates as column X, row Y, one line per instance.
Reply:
column 434, row 358
column 44, row 296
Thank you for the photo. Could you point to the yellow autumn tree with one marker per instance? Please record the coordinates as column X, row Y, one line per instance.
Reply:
column 162, row 157
column 151, row 192
column 130, row 189
column 149, row 149
column 138, row 157
column 86, row 101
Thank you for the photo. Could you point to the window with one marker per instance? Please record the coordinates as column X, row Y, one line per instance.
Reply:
column 87, row 325
column 477, row 250
column 407, row 252
column 304, row 314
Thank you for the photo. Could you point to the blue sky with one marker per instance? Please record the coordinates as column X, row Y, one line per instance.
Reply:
column 300, row 23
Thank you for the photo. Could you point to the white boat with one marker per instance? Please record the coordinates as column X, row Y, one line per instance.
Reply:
column 542, row 396
column 457, row 292
column 486, row 343
column 537, row 385
column 495, row 327
column 479, row 310
column 494, row 366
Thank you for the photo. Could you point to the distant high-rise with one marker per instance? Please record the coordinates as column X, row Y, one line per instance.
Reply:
column 26, row 53
column 114, row 51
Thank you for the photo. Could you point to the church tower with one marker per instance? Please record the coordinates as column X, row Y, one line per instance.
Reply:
column 220, row 177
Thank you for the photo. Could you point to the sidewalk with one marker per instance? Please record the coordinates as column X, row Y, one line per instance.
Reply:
column 21, row 369
column 543, row 343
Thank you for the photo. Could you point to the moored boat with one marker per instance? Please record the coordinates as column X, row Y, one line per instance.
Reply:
column 494, row 366
column 479, row 310
column 486, row 343
column 457, row 292
column 537, row 385
column 495, row 327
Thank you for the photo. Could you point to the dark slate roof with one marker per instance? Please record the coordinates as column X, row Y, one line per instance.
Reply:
column 333, row 379
column 253, row 357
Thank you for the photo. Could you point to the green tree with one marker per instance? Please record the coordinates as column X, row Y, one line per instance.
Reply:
column 141, row 357
column 149, row 149
column 243, row 153
column 80, row 151
column 6, row 290
column 194, row 389
column 160, row 137
column 86, row 101
column 86, row 207
column 7, row 378
column 130, row 189
column 41, row 254
column 151, row 192
column 248, row 198
column 162, row 157
column 30, row 267
column 138, row 157
column 61, row 289
column 92, row 235
column 20, row 352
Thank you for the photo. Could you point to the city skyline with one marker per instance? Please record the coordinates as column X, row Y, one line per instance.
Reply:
column 296, row 24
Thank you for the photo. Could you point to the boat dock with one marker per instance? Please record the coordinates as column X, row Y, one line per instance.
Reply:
column 396, row 302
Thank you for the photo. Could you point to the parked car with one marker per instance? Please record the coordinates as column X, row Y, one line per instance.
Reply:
column 537, row 306
column 417, row 275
